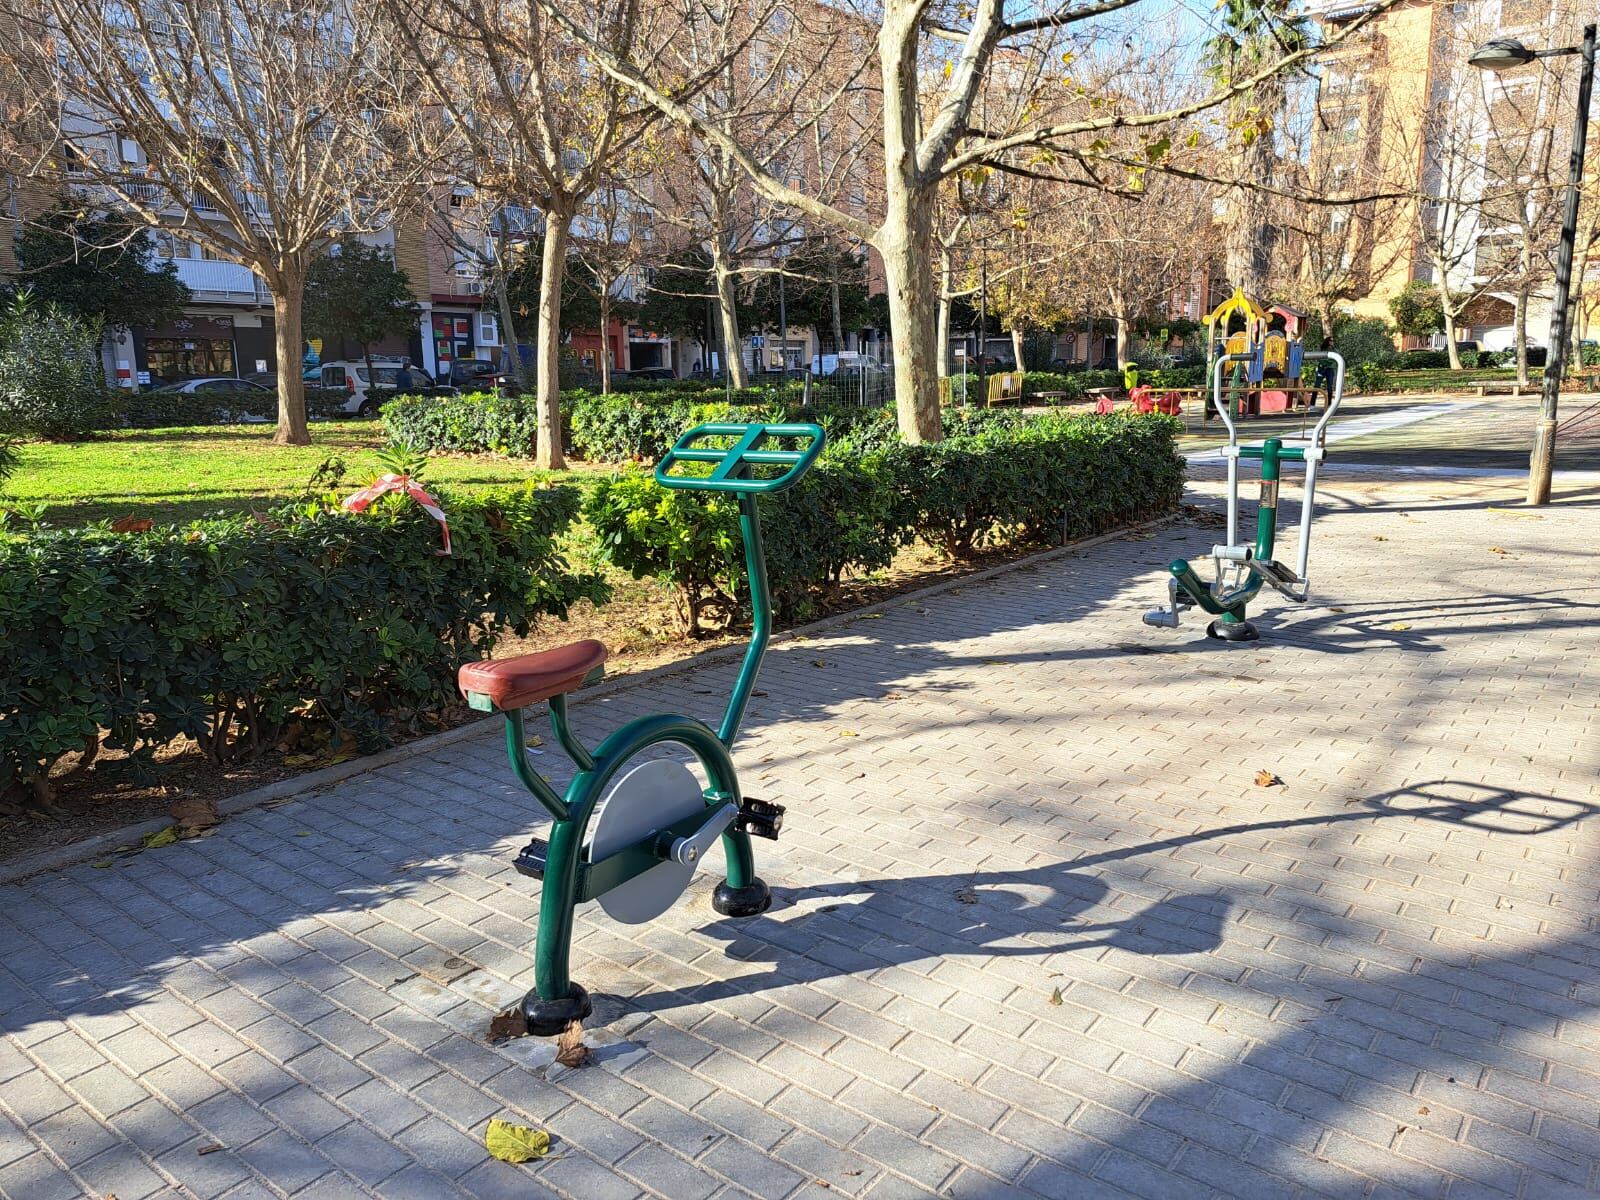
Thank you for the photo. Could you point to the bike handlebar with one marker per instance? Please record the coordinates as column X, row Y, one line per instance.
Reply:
column 731, row 473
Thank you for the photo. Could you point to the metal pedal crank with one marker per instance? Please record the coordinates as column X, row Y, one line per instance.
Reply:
column 759, row 818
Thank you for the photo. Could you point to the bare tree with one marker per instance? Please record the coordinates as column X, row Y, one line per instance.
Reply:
column 933, row 63
column 611, row 238
column 762, row 69
column 257, row 129
column 1344, row 142
column 542, row 127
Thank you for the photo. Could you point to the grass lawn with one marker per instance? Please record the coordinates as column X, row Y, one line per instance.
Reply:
column 179, row 474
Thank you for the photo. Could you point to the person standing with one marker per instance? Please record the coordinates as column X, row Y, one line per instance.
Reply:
column 1327, row 372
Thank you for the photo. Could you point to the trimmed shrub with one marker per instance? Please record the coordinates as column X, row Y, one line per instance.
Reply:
column 1054, row 478
column 50, row 379
column 476, row 423
column 1000, row 478
column 225, row 630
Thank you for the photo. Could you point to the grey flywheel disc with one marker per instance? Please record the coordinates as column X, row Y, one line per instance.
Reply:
column 651, row 796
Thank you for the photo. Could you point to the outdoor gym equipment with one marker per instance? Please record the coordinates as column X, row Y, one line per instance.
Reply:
column 1242, row 568
column 656, row 821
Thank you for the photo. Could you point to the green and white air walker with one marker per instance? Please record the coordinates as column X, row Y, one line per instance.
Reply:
column 1242, row 568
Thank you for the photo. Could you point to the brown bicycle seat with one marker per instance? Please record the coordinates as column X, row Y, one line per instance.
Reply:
column 511, row 683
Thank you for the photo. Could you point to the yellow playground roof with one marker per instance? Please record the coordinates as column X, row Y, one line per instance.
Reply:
column 1238, row 302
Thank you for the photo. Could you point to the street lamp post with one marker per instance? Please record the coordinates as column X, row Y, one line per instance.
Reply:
column 1505, row 54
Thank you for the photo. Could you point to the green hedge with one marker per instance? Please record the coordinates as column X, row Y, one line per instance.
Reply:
column 996, row 480
column 125, row 409
column 226, row 630
column 631, row 427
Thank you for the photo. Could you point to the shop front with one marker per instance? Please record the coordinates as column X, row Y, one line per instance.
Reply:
column 648, row 350
column 453, row 339
column 195, row 347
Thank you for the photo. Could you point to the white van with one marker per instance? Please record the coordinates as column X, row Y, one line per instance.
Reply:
column 352, row 379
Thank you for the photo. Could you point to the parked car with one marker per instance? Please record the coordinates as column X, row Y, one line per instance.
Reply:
column 222, row 385
column 652, row 373
column 311, row 377
column 475, row 375
column 352, row 378
column 246, row 390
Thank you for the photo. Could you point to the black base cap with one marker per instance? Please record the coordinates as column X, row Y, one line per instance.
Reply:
column 1232, row 631
column 546, row 1018
column 749, row 901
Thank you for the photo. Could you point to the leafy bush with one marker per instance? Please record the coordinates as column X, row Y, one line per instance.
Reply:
column 1422, row 359
column 1000, row 477
column 1052, row 478
column 8, row 461
column 51, row 384
column 1363, row 340
column 476, row 423
column 227, row 630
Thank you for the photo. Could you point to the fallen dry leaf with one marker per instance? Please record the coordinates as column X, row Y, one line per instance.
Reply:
column 162, row 837
column 211, row 1149
column 1498, row 550
column 817, row 662
column 132, row 525
column 194, row 813
column 509, row 1024
column 515, row 1143
column 1055, row 998
column 967, row 895
column 1424, row 1111
column 1399, row 627
column 1265, row 778
column 570, row 1050
column 1378, row 537
column 848, row 733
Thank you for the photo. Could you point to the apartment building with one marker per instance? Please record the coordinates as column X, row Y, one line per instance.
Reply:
column 1400, row 108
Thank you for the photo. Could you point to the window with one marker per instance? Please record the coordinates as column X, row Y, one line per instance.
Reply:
column 171, row 359
column 488, row 329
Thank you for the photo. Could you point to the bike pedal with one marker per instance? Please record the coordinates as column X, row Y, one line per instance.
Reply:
column 531, row 859
column 759, row 818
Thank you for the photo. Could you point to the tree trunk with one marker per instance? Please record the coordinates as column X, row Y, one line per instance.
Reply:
column 905, row 239
column 906, row 244
column 508, row 324
column 1521, row 335
column 1016, row 345
column 837, row 312
column 943, row 334
column 605, row 336
column 547, row 403
column 1123, row 327
column 733, row 356
column 288, row 295
column 1450, row 339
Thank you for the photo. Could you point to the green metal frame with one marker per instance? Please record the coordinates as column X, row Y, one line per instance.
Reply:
column 569, row 878
column 1229, row 606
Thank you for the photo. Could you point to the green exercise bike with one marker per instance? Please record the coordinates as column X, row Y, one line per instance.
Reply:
column 631, row 829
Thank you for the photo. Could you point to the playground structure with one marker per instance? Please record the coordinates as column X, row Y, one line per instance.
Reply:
column 656, row 821
column 1269, row 360
column 1243, row 568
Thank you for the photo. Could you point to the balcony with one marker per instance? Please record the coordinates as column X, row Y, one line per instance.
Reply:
column 216, row 282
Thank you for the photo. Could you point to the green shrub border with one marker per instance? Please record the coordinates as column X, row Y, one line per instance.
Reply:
column 226, row 630
column 998, row 480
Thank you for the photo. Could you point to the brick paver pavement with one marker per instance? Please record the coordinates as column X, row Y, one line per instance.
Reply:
column 1038, row 932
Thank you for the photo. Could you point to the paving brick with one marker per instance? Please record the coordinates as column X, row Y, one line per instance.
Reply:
column 1259, row 986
